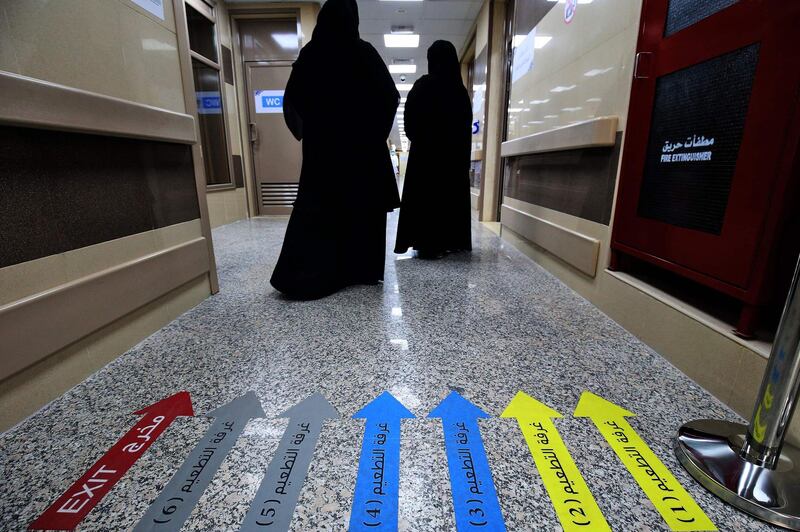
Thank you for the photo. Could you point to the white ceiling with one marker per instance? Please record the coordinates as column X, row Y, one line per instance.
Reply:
column 450, row 20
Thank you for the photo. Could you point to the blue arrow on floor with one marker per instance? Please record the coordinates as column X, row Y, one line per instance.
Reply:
column 376, row 493
column 474, row 495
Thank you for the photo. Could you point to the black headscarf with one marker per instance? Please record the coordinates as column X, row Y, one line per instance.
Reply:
column 443, row 61
column 337, row 22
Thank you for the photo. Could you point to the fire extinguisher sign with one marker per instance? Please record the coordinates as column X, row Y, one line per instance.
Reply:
column 569, row 10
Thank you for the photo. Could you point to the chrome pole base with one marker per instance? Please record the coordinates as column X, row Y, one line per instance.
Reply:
column 709, row 450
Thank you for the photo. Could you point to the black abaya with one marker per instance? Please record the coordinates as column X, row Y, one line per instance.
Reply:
column 435, row 211
column 341, row 100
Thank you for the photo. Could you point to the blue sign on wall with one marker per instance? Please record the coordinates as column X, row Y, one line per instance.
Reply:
column 269, row 101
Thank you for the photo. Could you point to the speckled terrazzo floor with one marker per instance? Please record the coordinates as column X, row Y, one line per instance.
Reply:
column 487, row 324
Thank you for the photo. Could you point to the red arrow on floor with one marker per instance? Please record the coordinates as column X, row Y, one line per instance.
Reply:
column 76, row 503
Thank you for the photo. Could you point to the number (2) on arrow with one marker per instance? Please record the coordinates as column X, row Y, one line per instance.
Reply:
column 376, row 493
column 672, row 501
column 474, row 495
column 175, row 502
column 75, row 504
column 571, row 498
column 275, row 501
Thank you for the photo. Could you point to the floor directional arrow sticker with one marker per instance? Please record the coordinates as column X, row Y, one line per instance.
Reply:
column 672, row 501
column 76, row 503
column 474, row 495
column 572, row 500
column 275, row 501
column 177, row 500
column 377, row 485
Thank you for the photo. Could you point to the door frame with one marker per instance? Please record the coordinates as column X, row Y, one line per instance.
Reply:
column 240, row 75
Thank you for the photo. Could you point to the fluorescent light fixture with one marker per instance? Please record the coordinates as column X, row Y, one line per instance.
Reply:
column 550, row 116
column 287, row 41
column 540, row 41
column 526, row 109
column 538, row 102
column 401, row 41
column 403, row 69
column 403, row 86
column 514, row 109
column 597, row 71
column 594, row 100
column 536, row 122
column 562, row 88
column 571, row 109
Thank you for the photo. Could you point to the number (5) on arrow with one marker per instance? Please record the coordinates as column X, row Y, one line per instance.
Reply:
column 672, row 501
column 376, row 493
column 276, row 498
column 175, row 502
column 76, row 503
column 474, row 495
column 571, row 498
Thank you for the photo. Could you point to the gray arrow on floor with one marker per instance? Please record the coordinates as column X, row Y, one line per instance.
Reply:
column 274, row 503
column 179, row 497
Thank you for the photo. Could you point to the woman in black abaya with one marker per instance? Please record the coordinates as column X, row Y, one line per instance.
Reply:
column 435, row 211
column 341, row 101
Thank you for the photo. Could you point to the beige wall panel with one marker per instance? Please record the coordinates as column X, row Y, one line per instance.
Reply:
column 105, row 46
column 593, row 55
column 26, row 392
column 574, row 248
column 227, row 206
column 31, row 277
column 482, row 28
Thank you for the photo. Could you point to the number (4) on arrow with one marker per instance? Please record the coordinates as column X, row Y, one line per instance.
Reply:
column 76, row 503
column 175, row 502
column 474, row 495
column 571, row 498
column 672, row 501
column 376, row 493
column 275, row 501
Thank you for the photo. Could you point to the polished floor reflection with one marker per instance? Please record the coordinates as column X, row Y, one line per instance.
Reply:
column 486, row 324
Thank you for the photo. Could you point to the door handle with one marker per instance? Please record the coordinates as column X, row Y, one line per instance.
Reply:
column 253, row 132
column 642, row 68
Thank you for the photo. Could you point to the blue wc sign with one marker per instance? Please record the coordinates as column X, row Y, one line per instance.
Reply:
column 208, row 102
column 269, row 101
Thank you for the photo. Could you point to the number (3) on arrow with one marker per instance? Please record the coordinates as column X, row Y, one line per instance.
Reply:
column 672, row 501
column 76, row 503
column 179, row 497
column 377, row 485
column 571, row 498
column 474, row 495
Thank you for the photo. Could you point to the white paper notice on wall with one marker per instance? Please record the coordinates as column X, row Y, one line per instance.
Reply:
column 268, row 101
column 156, row 7
column 523, row 56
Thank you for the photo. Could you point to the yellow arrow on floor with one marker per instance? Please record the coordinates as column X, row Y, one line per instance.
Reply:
column 672, row 501
column 571, row 498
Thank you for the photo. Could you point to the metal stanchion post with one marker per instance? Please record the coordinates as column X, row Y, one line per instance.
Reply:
column 751, row 467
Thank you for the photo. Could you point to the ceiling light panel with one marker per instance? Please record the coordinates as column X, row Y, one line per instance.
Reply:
column 403, row 69
column 401, row 41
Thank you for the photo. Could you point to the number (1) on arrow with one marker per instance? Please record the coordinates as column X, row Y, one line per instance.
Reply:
column 474, row 495
column 179, row 497
column 672, row 501
column 76, row 503
column 275, row 501
column 571, row 498
column 376, row 493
